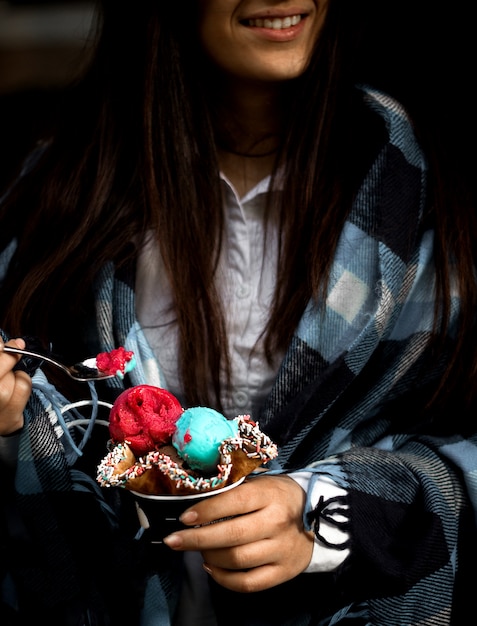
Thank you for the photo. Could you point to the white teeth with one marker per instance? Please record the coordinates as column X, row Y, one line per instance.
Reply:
column 276, row 23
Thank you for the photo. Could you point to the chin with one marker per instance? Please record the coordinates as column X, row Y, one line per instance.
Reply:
column 284, row 70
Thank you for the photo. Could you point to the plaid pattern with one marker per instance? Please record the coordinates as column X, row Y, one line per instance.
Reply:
column 345, row 403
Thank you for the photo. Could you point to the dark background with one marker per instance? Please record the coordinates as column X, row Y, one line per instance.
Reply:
column 423, row 51
column 42, row 45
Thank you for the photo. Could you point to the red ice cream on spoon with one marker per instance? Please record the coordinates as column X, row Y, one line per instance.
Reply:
column 117, row 362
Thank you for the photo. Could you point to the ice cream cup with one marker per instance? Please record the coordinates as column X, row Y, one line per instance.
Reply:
column 159, row 515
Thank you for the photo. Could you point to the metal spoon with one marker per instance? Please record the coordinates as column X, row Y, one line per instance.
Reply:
column 84, row 371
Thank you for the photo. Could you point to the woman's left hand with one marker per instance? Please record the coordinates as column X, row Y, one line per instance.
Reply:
column 263, row 545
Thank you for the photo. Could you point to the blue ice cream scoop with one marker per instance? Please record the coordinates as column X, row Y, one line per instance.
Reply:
column 198, row 435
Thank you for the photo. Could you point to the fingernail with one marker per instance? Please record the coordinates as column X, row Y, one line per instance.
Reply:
column 173, row 541
column 206, row 568
column 189, row 517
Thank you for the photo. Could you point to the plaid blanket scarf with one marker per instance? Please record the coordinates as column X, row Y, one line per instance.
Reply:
column 346, row 403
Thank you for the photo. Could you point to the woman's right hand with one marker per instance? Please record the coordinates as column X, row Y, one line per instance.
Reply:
column 15, row 389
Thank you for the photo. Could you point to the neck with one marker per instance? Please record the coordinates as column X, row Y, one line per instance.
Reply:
column 249, row 120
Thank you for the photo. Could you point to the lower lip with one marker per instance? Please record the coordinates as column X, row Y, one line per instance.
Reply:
column 284, row 34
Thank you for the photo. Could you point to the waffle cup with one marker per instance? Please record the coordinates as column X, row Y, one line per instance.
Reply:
column 161, row 472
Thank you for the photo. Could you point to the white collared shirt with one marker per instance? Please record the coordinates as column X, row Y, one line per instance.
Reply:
column 246, row 279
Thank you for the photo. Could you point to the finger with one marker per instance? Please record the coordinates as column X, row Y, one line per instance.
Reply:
column 17, row 343
column 238, row 501
column 23, row 387
column 244, row 557
column 15, row 391
column 220, row 534
column 249, row 581
column 293, row 548
column 9, row 360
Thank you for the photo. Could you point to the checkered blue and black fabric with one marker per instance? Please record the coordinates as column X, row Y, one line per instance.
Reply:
column 347, row 403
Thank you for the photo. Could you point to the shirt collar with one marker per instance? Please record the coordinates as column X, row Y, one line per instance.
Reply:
column 260, row 188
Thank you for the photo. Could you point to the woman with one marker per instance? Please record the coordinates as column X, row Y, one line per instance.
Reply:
column 221, row 198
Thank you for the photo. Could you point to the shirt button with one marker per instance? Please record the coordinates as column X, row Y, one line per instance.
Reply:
column 242, row 291
column 241, row 398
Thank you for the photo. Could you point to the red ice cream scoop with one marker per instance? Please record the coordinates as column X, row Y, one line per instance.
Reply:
column 145, row 416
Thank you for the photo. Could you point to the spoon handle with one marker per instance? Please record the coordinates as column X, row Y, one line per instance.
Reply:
column 36, row 355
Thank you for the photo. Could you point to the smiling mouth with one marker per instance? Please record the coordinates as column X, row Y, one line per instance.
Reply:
column 275, row 23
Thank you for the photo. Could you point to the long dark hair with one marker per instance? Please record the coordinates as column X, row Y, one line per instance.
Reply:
column 134, row 151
